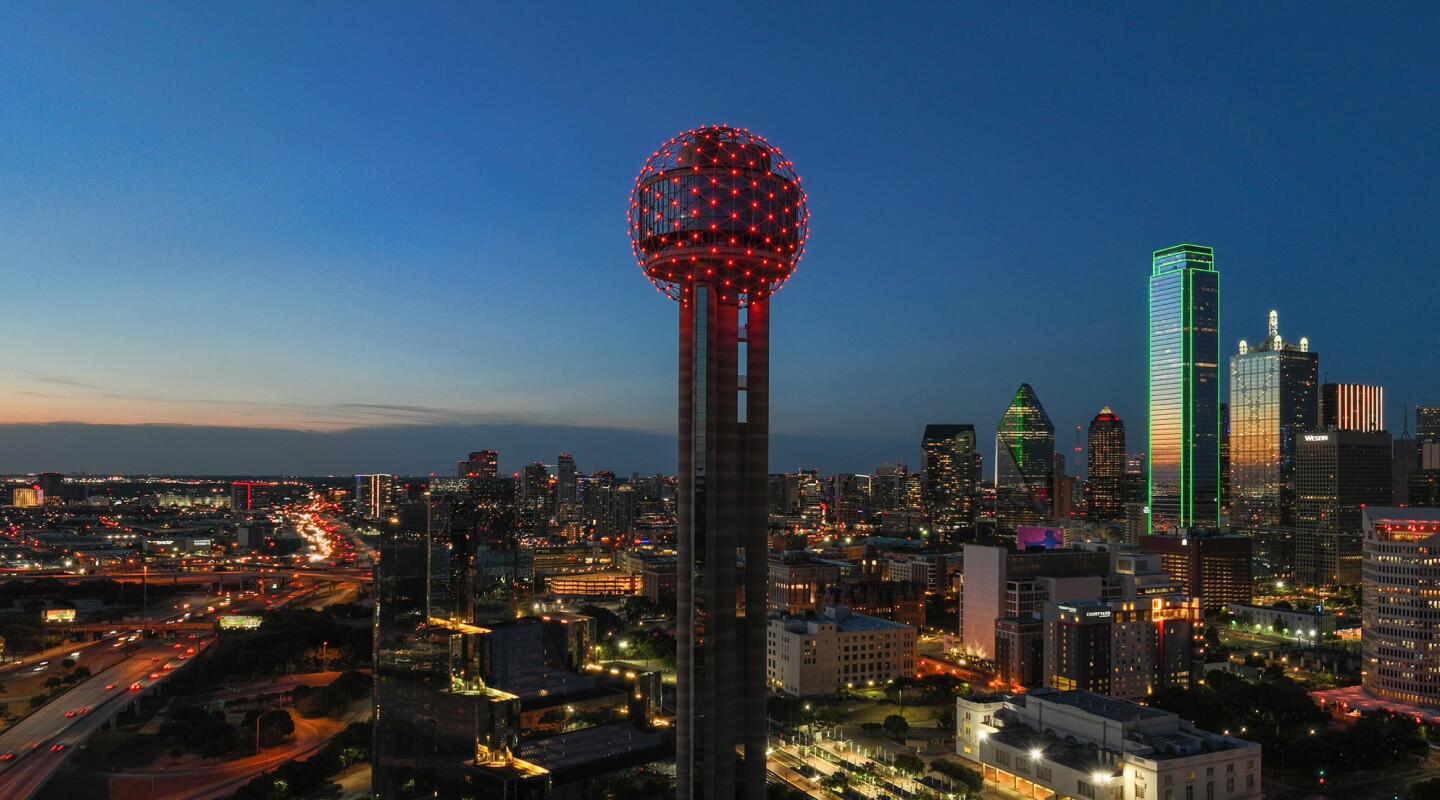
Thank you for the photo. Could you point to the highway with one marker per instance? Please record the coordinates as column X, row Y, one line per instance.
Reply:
column 34, row 749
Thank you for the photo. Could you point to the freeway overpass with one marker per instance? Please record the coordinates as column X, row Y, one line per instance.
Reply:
column 38, row 745
column 210, row 577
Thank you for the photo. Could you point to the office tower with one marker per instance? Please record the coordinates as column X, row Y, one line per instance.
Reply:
column 1062, row 491
column 482, row 464
column 1427, row 423
column 851, row 499
column 1024, row 464
column 1224, row 460
column 887, row 487
column 950, row 469
column 718, row 221
column 1272, row 399
column 1124, row 648
column 534, row 492
column 1184, row 447
column 1211, row 567
column 1352, row 407
column 372, row 498
column 1105, row 469
column 439, row 727
column 566, row 493
column 51, row 487
column 1338, row 474
column 1400, row 642
column 784, row 495
column 1137, row 496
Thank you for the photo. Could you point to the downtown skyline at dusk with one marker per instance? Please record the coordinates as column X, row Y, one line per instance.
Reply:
column 426, row 261
column 843, row 401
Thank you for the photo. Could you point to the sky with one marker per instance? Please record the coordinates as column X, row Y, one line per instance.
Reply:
column 347, row 225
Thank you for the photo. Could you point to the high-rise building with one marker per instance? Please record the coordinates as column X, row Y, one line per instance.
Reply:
column 533, row 494
column 1273, row 398
column 1400, row 640
column 950, row 470
column 1211, row 567
column 718, row 221
column 1137, row 497
column 372, row 498
column 1105, row 470
column 1338, row 474
column 567, row 495
column 1123, row 648
column 852, row 499
column 439, row 726
column 1184, row 447
column 1024, row 464
column 1224, row 460
column 483, row 464
column 1427, row 423
column 887, row 487
column 1352, row 407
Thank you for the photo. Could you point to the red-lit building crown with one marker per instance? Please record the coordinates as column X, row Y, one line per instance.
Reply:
column 718, row 205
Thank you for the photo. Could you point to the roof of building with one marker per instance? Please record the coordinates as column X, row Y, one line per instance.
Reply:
column 1426, row 514
column 1101, row 706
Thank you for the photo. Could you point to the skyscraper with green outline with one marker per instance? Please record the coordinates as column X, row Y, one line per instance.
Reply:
column 1184, row 454
column 1024, row 465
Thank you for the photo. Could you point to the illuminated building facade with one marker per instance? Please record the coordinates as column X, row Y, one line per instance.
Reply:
column 1338, row 474
column 482, row 464
column 1211, row 567
column 1105, row 470
column 1184, row 453
column 1353, row 407
column 950, row 470
column 1427, row 423
column 438, row 727
column 718, row 222
column 1125, row 648
column 567, row 496
column 1400, row 642
column 1024, row 464
column 1273, row 397
column 372, row 498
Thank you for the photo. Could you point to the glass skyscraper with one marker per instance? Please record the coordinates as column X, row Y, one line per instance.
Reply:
column 1184, row 451
column 950, row 471
column 1273, row 398
column 1105, row 472
column 1024, row 464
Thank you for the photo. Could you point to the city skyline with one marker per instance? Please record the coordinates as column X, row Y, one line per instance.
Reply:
column 257, row 299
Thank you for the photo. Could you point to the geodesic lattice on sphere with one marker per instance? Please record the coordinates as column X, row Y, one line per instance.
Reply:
column 719, row 204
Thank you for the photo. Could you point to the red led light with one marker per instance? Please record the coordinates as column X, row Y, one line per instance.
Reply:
column 732, row 214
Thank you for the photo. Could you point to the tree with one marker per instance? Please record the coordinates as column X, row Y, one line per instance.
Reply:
column 895, row 725
column 961, row 774
column 275, row 726
column 909, row 764
column 1423, row 790
column 53, row 682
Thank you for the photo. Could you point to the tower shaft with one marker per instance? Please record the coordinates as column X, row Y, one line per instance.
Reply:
column 724, row 463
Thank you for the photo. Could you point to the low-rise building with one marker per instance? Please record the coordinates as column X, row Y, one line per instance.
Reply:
column 836, row 650
column 1081, row 745
column 1306, row 623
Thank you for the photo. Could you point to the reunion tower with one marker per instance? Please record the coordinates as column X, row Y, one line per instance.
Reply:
column 718, row 221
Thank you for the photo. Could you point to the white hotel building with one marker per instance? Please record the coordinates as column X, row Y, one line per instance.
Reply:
column 1052, row 744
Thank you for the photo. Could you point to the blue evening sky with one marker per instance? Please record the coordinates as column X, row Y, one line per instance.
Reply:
column 325, row 216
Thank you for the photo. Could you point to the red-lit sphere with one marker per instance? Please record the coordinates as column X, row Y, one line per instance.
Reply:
column 722, row 206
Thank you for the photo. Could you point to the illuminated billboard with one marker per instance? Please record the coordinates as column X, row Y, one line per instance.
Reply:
column 59, row 615
column 1037, row 538
column 240, row 622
